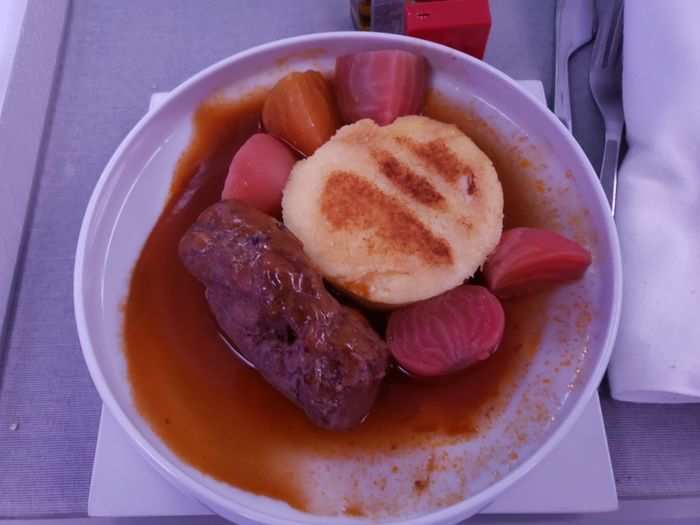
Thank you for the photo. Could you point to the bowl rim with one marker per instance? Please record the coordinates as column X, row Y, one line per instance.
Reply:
column 207, row 495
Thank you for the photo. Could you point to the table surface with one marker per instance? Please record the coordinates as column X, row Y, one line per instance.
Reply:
column 112, row 56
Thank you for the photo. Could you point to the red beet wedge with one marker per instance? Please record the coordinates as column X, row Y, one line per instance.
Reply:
column 527, row 260
column 446, row 333
column 380, row 85
column 258, row 173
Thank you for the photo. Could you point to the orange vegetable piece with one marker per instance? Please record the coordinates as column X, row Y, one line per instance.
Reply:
column 300, row 109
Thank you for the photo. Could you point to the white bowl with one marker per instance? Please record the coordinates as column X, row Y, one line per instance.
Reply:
column 133, row 188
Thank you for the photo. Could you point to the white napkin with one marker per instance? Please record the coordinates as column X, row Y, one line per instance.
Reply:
column 657, row 355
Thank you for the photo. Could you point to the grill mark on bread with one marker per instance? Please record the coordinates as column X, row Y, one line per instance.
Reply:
column 350, row 202
column 407, row 180
column 440, row 157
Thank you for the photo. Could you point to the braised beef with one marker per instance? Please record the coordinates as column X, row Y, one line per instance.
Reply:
column 274, row 308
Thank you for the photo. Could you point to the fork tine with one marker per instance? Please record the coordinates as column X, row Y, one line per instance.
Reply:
column 607, row 34
column 613, row 53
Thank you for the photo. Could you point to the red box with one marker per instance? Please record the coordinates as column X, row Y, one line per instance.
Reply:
column 460, row 24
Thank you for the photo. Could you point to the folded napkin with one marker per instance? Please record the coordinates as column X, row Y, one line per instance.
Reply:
column 657, row 354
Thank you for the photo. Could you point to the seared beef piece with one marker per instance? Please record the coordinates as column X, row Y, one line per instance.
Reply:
column 274, row 308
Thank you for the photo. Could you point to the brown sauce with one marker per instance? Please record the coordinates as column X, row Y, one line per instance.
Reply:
column 217, row 414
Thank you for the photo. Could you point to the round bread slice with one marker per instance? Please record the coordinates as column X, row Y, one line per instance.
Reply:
column 396, row 214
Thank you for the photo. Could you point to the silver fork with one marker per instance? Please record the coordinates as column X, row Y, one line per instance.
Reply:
column 606, row 86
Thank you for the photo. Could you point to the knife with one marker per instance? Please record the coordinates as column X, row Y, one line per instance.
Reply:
column 574, row 29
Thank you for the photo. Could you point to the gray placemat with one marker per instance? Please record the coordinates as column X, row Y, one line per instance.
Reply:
column 655, row 449
column 116, row 54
